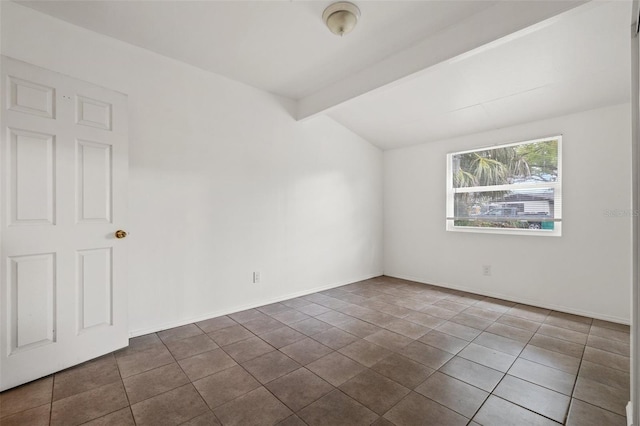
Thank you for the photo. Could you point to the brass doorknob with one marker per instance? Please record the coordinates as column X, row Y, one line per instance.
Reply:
column 120, row 233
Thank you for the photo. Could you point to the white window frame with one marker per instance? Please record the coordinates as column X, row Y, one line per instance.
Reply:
column 557, row 187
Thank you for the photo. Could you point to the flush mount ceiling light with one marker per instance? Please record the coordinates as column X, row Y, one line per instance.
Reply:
column 341, row 18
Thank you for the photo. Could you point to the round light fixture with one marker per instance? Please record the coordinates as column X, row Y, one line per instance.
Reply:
column 341, row 17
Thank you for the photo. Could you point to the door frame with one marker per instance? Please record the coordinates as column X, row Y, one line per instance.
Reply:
column 634, row 404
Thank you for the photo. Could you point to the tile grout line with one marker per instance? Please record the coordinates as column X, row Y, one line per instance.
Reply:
column 505, row 373
column 125, row 390
column 53, row 382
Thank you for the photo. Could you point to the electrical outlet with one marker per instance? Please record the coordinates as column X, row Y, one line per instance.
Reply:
column 486, row 270
column 256, row 277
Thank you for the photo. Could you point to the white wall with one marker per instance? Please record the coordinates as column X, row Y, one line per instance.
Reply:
column 586, row 271
column 223, row 181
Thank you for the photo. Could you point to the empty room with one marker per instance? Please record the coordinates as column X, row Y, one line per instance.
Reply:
column 319, row 213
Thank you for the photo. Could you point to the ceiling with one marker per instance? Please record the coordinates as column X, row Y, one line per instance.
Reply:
column 577, row 61
column 282, row 47
column 380, row 81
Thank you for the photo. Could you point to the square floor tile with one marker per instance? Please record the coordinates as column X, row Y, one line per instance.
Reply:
column 620, row 348
column 497, row 411
column 337, row 409
column 273, row 308
column 425, row 354
column 407, row 372
column 536, row 398
column 531, row 313
column 609, row 359
column 248, row 349
column 473, row 373
column 313, row 309
column 552, row 359
column 89, row 405
column 499, row 343
column 335, row 368
column 248, row 315
column 38, row 416
column 390, row 340
column 306, row 350
column 439, row 312
column 415, row 409
column 563, row 333
column 334, row 318
column 144, row 360
column 299, row 388
column 444, row 341
column 282, row 337
column 225, row 386
column 140, row 343
column 295, row 303
column 89, row 375
column 539, row 374
column 174, row 407
column 262, row 326
column 601, row 395
column 365, row 353
column 374, row 391
column 335, row 338
column 311, row 326
column 424, row 319
column 451, row 305
column 611, row 325
column 520, row 323
column 154, row 382
column 215, row 324
column 191, row 346
column 292, row 420
column 494, row 304
column 206, row 419
column 605, row 375
column 407, row 328
column 256, row 408
column 557, row 345
column 290, row 317
column 27, row 396
column 483, row 313
column 270, row 366
column 488, row 357
column 510, row 332
column 206, row 363
column 583, row 414
column 122, row 417
column 179, row 333
column 452, row 393
column 607, row 333
column 230, row 335
column 358, row 327
column 458, row 330
column 572, row 322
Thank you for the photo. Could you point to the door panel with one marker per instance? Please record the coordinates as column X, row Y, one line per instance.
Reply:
column 94, row 287
column 63, row 195
column 31, row 177
column 93, row 171
column 32, row 308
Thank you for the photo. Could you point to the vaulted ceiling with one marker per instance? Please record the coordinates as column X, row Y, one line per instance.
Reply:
column 411, row 72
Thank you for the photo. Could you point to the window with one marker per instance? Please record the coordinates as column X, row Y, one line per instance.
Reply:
column 514, row 188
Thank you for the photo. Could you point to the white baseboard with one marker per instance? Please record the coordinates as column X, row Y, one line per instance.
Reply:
column 238, row 308
column 510, row 298
column 629, row 414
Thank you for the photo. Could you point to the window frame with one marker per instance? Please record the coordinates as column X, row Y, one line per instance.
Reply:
column 557, row 187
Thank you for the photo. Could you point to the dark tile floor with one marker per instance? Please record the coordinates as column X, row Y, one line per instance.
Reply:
column 383, row 351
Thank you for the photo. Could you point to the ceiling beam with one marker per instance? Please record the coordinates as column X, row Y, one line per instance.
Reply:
column 500, row 20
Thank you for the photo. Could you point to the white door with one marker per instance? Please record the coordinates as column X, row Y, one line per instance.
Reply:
column 63, row 197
